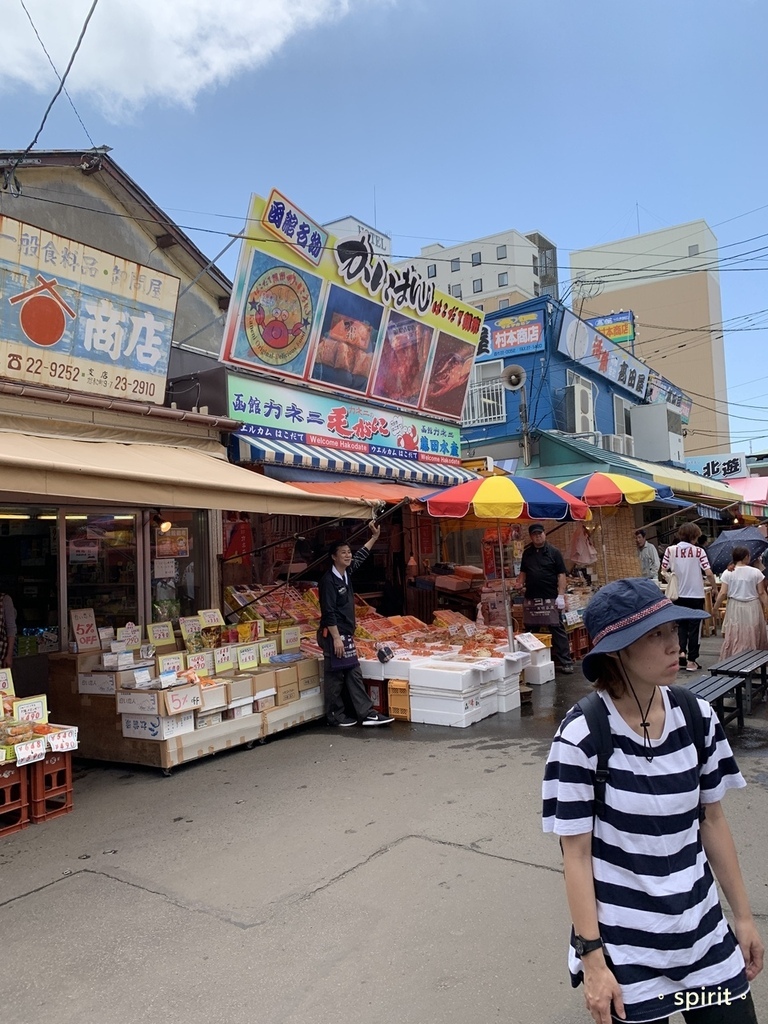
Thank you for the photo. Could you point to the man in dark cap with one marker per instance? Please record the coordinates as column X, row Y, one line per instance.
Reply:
column 543, row 576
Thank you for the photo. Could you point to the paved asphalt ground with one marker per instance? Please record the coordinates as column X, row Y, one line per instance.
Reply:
column 328, row 876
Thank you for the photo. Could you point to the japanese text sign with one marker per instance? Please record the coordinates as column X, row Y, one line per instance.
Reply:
column 351, row 322
column 84, row 629
column 6, row 682
column 75, row 317
column 617, row 327
column 160, row 633
column 247, row 657
column 30, row 709
column 170, row 662
column 31, row 751
column 718, row 467
column 591, row 349
column 511, row 335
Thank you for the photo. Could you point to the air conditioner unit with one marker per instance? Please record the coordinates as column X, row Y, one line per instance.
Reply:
column 629, row 445
column 591, row 437
column 613, row 443
column 580, row 409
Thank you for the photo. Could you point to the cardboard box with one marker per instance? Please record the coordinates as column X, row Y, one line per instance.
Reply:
column 96, row 682
column 241, row 711
column 157, row 727
column 308, row 672
column 203, row 721
column 139, row 702
column 287, row 694
column 213, row 697
column 239, row 688
column 287, row 676
column 180, row 699
column 264, row 703
column 263, row 680
column 312, row 692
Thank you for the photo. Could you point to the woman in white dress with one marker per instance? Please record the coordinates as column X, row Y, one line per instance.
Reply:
column 744, row 587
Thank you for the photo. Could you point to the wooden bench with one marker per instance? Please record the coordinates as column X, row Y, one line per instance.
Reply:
column 747, row 665
column 715, row 689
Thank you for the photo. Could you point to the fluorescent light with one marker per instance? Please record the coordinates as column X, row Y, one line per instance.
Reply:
column 47, row 517
column 13, row 515
column 76, row 517
column 122, row 517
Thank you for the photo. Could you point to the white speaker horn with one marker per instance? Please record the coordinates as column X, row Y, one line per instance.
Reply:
column 513, row 377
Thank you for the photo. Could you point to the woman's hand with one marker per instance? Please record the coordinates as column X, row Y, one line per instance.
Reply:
column 751, row 946
column 601, row 989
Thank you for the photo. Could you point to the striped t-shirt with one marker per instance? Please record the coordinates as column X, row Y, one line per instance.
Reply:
column 657, row 905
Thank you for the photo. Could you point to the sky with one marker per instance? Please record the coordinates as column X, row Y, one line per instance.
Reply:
column 433, row 120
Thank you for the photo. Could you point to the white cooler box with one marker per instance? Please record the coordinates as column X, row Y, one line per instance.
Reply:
column 536, row 675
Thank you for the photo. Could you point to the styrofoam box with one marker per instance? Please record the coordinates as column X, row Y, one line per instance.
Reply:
column 372, row 668
column 489, row 701
column 445, row 675
column 542, row 657
column 456, row 719
column 439, row 700
column 517, row 660
column 509, row 685
column 535, row 675
column 508, row 701
column 400, row 668
column 157, row 727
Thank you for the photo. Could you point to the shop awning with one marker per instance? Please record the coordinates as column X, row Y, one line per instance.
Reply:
column 369, row 490
column 683, row 482
column 99, row 472
column 753, row 489
column 255, row 449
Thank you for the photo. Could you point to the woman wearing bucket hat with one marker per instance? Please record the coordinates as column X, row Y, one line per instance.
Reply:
column 649, row 936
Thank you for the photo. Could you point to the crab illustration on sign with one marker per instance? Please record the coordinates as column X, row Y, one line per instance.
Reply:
column 43, row 313
column 278, row 315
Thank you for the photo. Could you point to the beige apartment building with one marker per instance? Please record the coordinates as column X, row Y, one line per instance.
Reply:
column 670, row 280
column 493, row 272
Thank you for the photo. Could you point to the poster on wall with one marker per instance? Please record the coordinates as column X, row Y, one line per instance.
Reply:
column 337, row 315
column 173, row 544
column 76, row 317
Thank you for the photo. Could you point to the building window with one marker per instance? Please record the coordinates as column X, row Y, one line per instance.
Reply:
column 456, row 291
column 536, row 289
column 455, row 265
column 476, row 259
column 432, row 270
column 503, row 303
column 477, row 285
column 479, row 305
column 501, row 252
column 535, row 265
column 693, row 250
column 503, row 280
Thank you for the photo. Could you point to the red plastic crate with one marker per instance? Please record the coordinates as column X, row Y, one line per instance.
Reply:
column 50, row 787
column 14, row 799
column 377, row 691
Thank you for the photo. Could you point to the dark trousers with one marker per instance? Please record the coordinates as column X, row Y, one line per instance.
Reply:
column 347, row 681
column 738, row 1011
column 561, row 649
column 689, row 631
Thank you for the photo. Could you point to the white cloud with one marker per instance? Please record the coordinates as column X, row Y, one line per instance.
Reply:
column 141, row 51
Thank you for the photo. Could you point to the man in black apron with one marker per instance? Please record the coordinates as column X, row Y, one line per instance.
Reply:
column 336, row 638
column 543, row 576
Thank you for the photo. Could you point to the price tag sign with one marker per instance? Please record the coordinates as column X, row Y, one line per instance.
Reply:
column 267, row 650
column 211, row 617
column 453, row 629
column 170, row 662
column 223, row 659
column 6, row 682
column 84, row 629
column 182, row 698
column 30, row 709
column 118, row 647
column 248, row 657
column 130, row 635
column 202, row 662
column 63, row 739
column 31, row 751
column 189, row 625
column 106, row 636
column 160, row 634
column 290, row 638
column 470, row 629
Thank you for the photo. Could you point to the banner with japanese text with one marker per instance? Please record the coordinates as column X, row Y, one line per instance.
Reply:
column 274, row 412
column 587, row 346
column 78, row 318
column 511, row 335
column 340, row 317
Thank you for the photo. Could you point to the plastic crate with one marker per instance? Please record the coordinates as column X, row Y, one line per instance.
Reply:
column 377, row 691
column 14, row 799
column 50, row 787
column 399, row 700
column 546, row 638
column 578, row 640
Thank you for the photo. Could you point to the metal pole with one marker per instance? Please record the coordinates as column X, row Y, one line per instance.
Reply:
column 507, row 612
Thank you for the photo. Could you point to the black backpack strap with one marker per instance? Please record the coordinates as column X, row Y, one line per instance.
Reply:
column 596, row 714
column 694, row 720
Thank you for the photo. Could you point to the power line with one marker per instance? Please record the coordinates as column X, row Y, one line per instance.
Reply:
column 56, row 95
column 50, row 61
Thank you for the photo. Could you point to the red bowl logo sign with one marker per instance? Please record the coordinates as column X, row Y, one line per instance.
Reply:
column 43, row 314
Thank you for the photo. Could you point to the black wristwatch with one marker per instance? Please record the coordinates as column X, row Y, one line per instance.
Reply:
column 584, row 946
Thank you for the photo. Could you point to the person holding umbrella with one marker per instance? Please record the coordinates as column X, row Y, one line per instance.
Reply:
column 744, row 587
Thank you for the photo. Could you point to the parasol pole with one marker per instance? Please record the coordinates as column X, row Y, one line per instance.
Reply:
column 507, row 612
column 602, row 545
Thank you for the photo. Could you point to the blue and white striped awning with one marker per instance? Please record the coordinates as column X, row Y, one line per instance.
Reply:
column 246, row 449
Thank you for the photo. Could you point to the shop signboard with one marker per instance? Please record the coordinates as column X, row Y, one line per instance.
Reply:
column 591, row 349
column 718, row 467
column 274, row 412
column 616, row 327
column 340, row 317
column 662, row 390
column 78, row 318
column 84, row 629
column 511, row 336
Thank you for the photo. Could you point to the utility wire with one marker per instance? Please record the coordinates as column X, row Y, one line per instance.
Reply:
column 50, row 61
column 56, row 95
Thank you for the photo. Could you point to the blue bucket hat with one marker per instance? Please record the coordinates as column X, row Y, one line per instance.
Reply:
column 622, row 612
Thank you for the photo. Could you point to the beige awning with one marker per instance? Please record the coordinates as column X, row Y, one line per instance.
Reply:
column 62, row 470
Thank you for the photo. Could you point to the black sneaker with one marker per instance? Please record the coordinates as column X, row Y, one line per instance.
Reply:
column 377, row 719
column 566, row 670
column 343, row 722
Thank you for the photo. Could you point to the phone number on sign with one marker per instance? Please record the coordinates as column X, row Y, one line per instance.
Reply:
column 33, row 366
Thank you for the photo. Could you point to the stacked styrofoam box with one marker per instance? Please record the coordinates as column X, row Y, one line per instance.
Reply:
column 508, row 693
column 542, row 668
column 449, row 693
